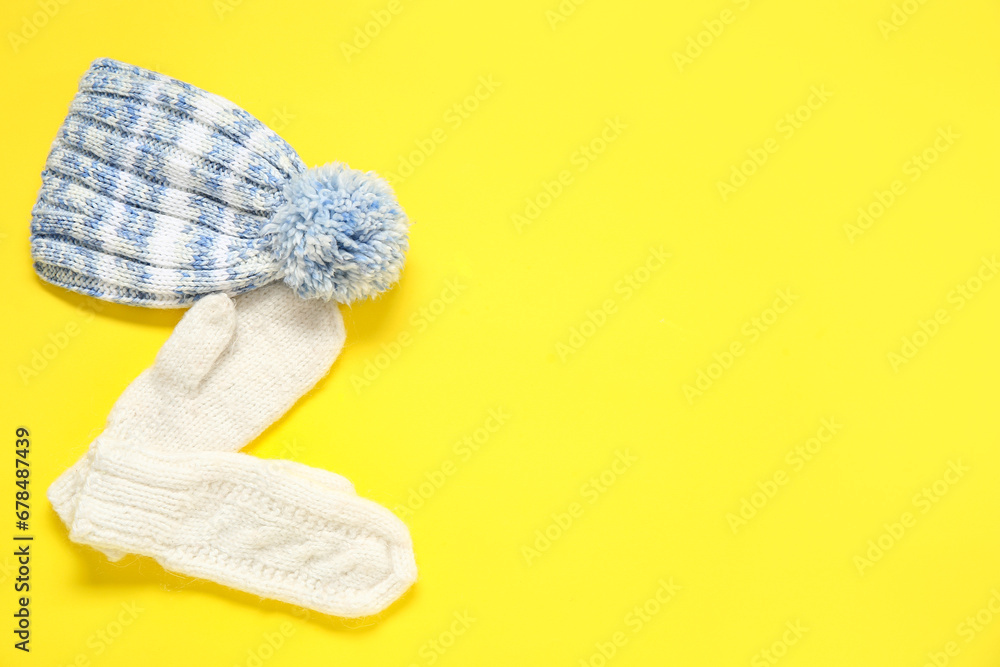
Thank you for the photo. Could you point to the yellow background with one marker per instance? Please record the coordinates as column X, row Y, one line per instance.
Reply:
column 524, row 290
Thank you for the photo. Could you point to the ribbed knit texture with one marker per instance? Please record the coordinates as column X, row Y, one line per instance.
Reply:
column 160, row 194
column 156, row 192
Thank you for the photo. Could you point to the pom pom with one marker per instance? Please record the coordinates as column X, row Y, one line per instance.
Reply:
column 340, row 234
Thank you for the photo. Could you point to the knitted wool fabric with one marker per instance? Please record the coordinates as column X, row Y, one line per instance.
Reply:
column 276, row 531
column 161, row 480
column 156, row 192
column 229, row 370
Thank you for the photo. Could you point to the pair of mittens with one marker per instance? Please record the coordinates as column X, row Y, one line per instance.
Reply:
column 165, row 478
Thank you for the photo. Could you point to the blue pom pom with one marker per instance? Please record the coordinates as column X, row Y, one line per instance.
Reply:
column 340, row 234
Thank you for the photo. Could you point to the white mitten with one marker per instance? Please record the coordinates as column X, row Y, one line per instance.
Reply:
column 230, row 369
column 162, row 481
column 280, row 530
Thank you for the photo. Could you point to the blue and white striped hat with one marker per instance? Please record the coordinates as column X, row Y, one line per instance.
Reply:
column 156, row 193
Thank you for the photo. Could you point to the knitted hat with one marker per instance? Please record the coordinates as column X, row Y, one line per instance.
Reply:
column 156, row 193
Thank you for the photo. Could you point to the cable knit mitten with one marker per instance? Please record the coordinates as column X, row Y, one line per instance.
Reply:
column 278, row 529
column 163, row 480
column 230, row 369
